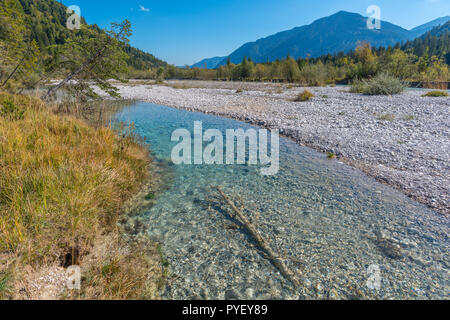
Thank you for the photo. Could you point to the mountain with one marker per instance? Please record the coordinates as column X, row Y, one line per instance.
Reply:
column 47, row 21
column 420, row 30
column 340, row 32
column 209, row 63
column 439, row 30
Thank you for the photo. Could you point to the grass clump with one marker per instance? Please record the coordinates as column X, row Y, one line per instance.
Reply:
column 386, row 117
column 132, row 274
column 5, row 285
column 436, row 94
column 306, row 95
column 62, row 183
column 381, row 84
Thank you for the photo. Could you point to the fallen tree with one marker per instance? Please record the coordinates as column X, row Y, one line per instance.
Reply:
column 274, row 259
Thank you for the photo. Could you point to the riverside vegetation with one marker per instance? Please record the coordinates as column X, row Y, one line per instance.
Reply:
column 63, row 185
column 67, row 181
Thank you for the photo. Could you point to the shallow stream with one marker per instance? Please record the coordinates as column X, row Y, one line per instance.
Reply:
column 343, row 234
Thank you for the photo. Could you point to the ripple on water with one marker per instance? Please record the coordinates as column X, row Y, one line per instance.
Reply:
column 327, row 220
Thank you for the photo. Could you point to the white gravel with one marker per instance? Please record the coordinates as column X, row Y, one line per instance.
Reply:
column 401, row 140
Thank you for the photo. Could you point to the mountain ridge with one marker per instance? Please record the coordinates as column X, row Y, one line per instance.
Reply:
column 424, row 28
column 210, row 63
column 340, row 32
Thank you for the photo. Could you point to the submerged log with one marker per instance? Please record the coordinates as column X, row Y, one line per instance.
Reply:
column 274, row 259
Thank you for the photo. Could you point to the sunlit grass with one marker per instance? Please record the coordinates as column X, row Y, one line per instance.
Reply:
column 62, row 182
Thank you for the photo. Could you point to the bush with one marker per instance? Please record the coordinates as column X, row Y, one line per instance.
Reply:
column 314, row 74
column 382, row 84
column 436, row 94
column 357, row 86
column 304, row 96
column 10, row 111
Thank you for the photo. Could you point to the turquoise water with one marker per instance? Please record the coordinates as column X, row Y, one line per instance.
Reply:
column 329, row 222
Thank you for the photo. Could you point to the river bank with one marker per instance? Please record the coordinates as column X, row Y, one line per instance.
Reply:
column 401, row 140
column 66, row 190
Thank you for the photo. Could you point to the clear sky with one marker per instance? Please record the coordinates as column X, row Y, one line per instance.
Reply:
column 183, row 32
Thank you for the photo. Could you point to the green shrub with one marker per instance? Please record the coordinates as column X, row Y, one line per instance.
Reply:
column 357, row 86
column 9, row 110
column 382, row 84
column 306, row 95
column 436, row 94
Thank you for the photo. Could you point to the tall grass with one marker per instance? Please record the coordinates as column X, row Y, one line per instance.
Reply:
column 62, row 182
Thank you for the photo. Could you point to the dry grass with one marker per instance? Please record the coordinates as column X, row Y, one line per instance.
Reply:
column 386, row 117
column 118, row 271
column 62, row 185
column 5, row 284
column 183, row 86
column 435, row 85
column 436, row 94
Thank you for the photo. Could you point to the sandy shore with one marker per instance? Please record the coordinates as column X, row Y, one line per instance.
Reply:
column 401, row 140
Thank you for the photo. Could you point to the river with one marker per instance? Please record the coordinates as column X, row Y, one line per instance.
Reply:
column 343, row 234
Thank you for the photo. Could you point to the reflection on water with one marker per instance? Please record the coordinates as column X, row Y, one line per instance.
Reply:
column 338, row 230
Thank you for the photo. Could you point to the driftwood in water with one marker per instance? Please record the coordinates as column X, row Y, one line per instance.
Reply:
column 276, row 261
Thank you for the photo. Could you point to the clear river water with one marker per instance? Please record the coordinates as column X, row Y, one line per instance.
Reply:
column 343, row 234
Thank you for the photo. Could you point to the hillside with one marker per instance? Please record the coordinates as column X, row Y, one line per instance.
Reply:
column 340, row 32
column 420, row 30
column 209, row 63
column 47, row 22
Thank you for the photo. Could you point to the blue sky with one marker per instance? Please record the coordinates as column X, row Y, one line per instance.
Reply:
column 183, row 32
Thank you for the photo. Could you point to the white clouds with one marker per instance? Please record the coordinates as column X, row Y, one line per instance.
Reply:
column 142, row 8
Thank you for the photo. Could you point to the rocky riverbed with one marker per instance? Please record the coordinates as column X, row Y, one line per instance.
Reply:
column 340, row 233
column 401, row 140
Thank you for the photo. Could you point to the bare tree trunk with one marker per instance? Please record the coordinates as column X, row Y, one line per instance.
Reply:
column 13, row 72
column 276, row 261
column 75, row 73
